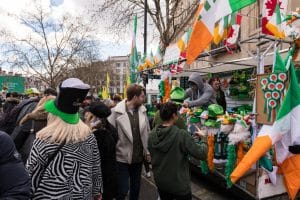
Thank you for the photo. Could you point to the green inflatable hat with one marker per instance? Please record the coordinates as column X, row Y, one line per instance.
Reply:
column 177, row 95
column 194, row 119
column 198, row 112
column 212, row 123
column 215, row 110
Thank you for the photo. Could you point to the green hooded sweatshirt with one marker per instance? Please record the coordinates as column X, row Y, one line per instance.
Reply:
column 169, row 148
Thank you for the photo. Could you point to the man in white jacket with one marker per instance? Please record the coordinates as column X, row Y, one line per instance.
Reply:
column 129, row 117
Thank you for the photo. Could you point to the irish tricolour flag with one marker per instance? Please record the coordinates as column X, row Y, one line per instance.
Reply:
column 285, row 135
column 208, row 13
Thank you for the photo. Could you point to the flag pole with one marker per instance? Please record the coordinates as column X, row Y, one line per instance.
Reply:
column 145, row 26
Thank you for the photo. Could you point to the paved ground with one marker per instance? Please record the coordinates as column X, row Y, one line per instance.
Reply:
column 201, row 190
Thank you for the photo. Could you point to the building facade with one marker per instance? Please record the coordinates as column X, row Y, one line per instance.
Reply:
column 119, row 67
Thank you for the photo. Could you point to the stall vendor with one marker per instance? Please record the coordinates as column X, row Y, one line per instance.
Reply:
column 199, row 93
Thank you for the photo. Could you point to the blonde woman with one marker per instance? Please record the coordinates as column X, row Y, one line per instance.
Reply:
column 64, row 162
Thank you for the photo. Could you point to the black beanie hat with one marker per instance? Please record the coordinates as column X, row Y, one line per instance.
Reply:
column 99, row 109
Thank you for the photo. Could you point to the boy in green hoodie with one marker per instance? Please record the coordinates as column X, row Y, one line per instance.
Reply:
column 169, row 147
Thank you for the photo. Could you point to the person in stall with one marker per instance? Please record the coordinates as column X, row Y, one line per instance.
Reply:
column 220, row 96
column 199, row 93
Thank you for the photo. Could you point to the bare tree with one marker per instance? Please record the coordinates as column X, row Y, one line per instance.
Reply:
column 93, row 73
column 53, row 48
column 169, row 17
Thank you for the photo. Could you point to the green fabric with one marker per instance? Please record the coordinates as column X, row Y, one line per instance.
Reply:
column 177, row 94
column 292, row 98
column 279, row 65
column 194, row 119
column 68, row 118
column 133, row 53
column 215, row 110
column 239, row 4
column 212, row 123
column 278, row 14
column 230, row 164
column 198, row 112
column 180, row 123
column 266, row 163
column 169, row 148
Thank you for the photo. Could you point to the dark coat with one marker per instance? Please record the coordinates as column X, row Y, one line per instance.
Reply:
column 9, row 104
column 24, row 135
column 14, row 181
column 221, row 100
column 16, row 114
column 107, row 139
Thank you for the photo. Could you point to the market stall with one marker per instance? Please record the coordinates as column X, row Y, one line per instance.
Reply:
column 247, row 149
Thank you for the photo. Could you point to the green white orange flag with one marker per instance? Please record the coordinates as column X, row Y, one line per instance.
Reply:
column 271, row 17
column 274, row 24
column 157, row 57
column 183, row 41
column 133, row 53
column 278, row 65
column 208, row 13
column 285, row 135
column 149, row 60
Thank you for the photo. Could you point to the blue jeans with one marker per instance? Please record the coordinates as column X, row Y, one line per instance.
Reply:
column 133, row 173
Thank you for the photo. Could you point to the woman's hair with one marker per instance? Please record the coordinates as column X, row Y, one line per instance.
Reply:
column 213, row 79
column 58, row 131
column 117, row 98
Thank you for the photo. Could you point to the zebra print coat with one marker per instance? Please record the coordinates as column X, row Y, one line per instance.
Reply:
column 74, row 173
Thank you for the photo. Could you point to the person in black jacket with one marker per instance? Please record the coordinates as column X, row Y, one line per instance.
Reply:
column 220, row 96
column 14, row 181
column 106, row 136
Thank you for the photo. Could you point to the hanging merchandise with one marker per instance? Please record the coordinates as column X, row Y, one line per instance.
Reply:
column 273, row 87
column 157, row 57
column 165, row 85
column 212, row 125
column 230, row 164
column 236, row 137
column 239, row 87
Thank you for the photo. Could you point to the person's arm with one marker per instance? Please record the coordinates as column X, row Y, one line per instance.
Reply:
column 188, row 94
column 96, row 172
column 203, row 99
column 198, row 151
column 112, row 118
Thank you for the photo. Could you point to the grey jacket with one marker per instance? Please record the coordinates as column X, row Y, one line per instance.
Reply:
column 120, row 120
column 203, row 96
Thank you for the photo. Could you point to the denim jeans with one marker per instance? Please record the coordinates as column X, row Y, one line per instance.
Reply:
column 129, row 175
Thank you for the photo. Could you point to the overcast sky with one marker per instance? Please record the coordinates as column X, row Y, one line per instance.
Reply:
column 109, row 46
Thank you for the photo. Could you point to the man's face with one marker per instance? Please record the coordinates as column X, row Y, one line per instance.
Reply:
column 193, row 86
column 139, row 100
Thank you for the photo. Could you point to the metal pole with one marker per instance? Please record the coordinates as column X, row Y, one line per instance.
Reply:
column 145, row 26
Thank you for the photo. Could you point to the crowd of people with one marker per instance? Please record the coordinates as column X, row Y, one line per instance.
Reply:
column 63, row 144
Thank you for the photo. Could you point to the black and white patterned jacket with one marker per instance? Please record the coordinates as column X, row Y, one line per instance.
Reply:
column 74, row 173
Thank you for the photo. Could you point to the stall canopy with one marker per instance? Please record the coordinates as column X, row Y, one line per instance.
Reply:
column 238, row 64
